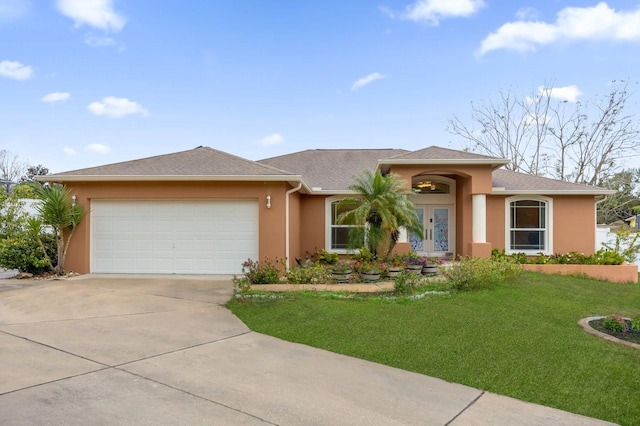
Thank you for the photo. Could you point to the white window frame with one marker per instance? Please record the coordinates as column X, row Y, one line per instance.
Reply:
column 548, row 235
column 329, row 226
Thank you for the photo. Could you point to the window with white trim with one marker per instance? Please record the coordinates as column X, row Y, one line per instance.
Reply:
column 528, row 225
column 338, row 233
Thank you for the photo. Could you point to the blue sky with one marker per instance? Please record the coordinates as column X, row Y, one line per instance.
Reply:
column 90, row 82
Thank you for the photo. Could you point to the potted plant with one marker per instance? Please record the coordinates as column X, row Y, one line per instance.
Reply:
column 431, row 266
column 370, row 270
column 394, row 269
column 413, row 262
column 341, row 271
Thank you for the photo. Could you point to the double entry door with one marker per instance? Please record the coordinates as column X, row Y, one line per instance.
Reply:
column 437, row 239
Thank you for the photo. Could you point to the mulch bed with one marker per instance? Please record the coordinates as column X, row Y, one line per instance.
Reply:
column 630, row 335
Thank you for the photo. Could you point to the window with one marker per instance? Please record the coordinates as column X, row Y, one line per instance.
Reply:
column 338, row 234
column 528, row 225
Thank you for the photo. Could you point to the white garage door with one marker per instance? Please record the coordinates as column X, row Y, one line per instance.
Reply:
column 173, row 237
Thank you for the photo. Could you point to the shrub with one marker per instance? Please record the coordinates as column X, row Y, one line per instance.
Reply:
column 316, row 273
column 472, row 273
column 406, row 282
column 608, row 257
column 614, row 322
column 601, row 257
column 23, row 252
column 241, row 286
column 363, row 255
column 635, row 322
column 326, row 257
column 261, row 272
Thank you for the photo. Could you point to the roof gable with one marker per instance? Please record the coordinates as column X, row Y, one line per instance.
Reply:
column 439, row 153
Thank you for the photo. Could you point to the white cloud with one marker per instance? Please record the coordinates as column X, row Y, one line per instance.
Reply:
column 566, row 93
column 366, row 80
column 15, row 70
column 116, row 107
column 273, row 139
column 69, row 151
column 94, row 13
column 432, row 11
column 97, row 148
column 599, row 22
column 56, row 97
column 13, row 9
column 96, row 41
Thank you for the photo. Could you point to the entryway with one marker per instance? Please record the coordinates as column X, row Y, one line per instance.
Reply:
column 438, row 239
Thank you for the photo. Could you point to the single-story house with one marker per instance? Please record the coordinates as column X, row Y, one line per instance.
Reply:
column 204, row 211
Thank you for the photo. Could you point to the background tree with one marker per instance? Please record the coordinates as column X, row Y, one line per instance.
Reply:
column 33, row 171
column 11, row 168
column 544, row 135
column 383, row 206
column 625, row 201
column 58, row 211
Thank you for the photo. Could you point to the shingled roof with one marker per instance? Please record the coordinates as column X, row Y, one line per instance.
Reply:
column 326, row 170
column 198, row 162
column 331, row 169
column 522, row 183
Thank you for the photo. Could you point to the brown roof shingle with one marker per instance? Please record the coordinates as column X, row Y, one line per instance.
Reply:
column 521, row 182
column 331, row 169
column 200, row 161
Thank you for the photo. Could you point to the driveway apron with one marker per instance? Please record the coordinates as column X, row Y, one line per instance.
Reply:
column 165, row 350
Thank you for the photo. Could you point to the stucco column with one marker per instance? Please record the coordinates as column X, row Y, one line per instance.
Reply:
column 479, row 223
column 479, row 247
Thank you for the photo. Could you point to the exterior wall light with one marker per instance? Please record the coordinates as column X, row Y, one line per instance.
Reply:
column 73, row 200
column 268, row 201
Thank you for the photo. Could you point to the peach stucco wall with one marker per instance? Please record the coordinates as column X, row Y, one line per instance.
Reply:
column 312, row 224
column 271, row 234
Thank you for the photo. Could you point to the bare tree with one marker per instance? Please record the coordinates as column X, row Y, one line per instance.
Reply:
column 543, row 135
column 11, row 168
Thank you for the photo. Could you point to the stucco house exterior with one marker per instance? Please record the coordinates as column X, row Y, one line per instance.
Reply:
column 204, row 211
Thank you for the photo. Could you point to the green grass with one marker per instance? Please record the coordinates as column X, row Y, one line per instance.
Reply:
column 519, row 339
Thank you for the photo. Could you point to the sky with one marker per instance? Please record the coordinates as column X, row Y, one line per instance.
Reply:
column 91, row 82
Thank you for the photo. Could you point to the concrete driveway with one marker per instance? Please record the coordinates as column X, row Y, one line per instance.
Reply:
column 164, row 350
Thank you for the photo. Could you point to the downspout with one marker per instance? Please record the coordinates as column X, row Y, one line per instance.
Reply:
column 286, row 223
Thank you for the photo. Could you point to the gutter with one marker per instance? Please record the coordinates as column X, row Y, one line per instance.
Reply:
column 287, row 232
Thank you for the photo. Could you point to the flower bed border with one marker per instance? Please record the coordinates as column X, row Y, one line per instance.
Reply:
column 615, row 273
column 584, row 323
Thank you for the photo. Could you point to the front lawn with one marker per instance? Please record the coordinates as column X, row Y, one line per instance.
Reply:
column 519, row 339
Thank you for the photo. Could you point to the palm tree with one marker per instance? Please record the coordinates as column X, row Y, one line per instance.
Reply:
column 383, row 206
column 57, row 210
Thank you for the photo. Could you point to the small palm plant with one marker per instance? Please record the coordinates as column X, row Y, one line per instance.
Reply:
column 58, row 211
column 383, row 206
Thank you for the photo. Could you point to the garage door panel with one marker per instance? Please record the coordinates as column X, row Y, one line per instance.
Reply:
column 203, row 237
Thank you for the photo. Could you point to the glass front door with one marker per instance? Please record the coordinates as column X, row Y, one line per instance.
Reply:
column 438, row 236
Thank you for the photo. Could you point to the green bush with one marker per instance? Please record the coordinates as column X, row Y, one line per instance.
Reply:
column 601, row 257
column 316, row 273
column 406, row 282
column 614, row 323
column 261, row 272
column 635, row 322
column 23, row 252
column 473, row 273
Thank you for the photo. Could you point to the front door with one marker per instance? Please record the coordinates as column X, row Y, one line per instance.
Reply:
column 438, row 225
